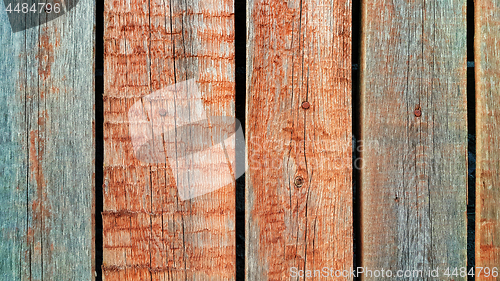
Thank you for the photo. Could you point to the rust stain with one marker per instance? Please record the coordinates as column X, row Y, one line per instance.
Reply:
column 40, row 209
column 36, row 154
column 57, row 36
column 30, row 235
column 46, row 54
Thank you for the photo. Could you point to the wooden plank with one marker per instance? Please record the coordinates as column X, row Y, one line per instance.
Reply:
column 487, row 71
column 157, row 53
column 46, row 145
column 414, row 176
column 298, row 51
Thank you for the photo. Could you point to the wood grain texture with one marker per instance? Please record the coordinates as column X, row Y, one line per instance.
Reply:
column 414, row 176
column 298, row 51
column 151, row 232
column 487, row 71
column 47, row 148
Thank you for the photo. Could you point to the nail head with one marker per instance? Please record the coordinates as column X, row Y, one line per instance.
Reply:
column 163, row 112
column 306, row 105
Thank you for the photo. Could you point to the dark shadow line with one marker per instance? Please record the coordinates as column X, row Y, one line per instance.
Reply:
column 99, row 135
column 240, row 101
column 471, row 147
column 356, row 131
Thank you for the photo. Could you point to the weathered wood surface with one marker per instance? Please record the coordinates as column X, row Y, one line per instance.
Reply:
column 414, row 176
column 47, row 147
column 152, row 228
column 298, row 51
column 487, row 68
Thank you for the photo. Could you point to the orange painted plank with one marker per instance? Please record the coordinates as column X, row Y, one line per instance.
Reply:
column 414, row 131
column 47, row 142
column 487, row 60
column 298, row 181
column 168, row 182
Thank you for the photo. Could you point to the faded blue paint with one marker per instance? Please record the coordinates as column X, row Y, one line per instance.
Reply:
column 59, row 245
column 12, row 158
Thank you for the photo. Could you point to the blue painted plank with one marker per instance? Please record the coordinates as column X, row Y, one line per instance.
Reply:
column 46, row 144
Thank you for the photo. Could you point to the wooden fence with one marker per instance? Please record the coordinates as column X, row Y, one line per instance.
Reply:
column 324, row 195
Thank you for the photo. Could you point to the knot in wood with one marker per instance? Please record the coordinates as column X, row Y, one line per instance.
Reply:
column 299, row 181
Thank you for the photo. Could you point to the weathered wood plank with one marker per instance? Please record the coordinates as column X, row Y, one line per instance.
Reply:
column 168, row 214
column 47, row 146
column 414, row 131
column 487, row 68
column 298, row 51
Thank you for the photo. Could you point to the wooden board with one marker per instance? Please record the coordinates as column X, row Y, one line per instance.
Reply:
column 151, row 229
column 414, row 176
column 298, row 51
column 47, row 147
column 487, row 61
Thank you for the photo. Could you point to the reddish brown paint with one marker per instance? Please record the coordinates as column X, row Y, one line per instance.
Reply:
column 487, row 73
column 149, row 233
column 296, row 52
